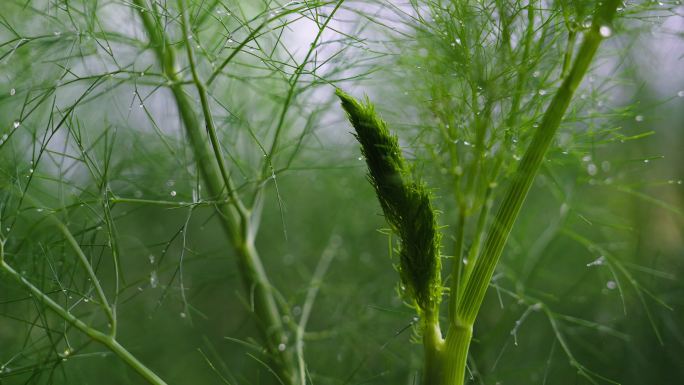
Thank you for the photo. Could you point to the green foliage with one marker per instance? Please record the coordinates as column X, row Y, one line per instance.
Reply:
column 177, row 185
column 404, row 201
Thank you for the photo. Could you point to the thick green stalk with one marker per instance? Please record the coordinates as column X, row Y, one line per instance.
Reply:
column 455, row 355
column 235, row 218
column 475, row 285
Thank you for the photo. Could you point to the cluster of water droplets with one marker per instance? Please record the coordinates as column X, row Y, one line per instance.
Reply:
column 154, row 278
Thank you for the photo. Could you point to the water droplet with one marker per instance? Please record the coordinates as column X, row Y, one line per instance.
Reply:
column 173, row 193
column 183, row 315
column 646, row 160
column 592, row 169
column 16, row 124
column 536, row 74
column 542, row 92
column 57, row 33
column 30, row 171
column 598, row 262
column 465, row 261
column 13, row 91
column 282, row 347
column 680, row 94
column 605, row 31
column 151, row 258
column 154, row 280
column 605, row 166
column 611, row 285
column 639, row 118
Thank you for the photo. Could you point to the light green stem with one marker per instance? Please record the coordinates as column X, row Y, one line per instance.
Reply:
column 235, row 218
column 456, row 354
column 476, row 285
column 450, row 365
column 106, row 340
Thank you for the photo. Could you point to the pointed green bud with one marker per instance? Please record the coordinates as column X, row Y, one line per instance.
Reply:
column 404, row 201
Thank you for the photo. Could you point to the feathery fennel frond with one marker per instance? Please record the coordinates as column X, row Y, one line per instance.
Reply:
column 405, row 202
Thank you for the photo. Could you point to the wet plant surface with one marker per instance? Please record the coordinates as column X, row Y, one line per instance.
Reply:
column 341, row 192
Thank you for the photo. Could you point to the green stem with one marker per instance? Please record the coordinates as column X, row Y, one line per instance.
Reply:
column 433, row 343
column 502, row 224
column 104, row 339
column 456, row 354
column 475, row 285
column 235, row 218
column 83, row 260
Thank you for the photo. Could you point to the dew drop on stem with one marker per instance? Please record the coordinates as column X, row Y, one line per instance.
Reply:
column 13, row 91
column 605, row 31
column 16, row 124
column 611, row 285
column 592, row 169
column 597, row 262
column 154, row 280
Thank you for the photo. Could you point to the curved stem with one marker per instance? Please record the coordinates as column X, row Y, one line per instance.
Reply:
column 104, row 339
